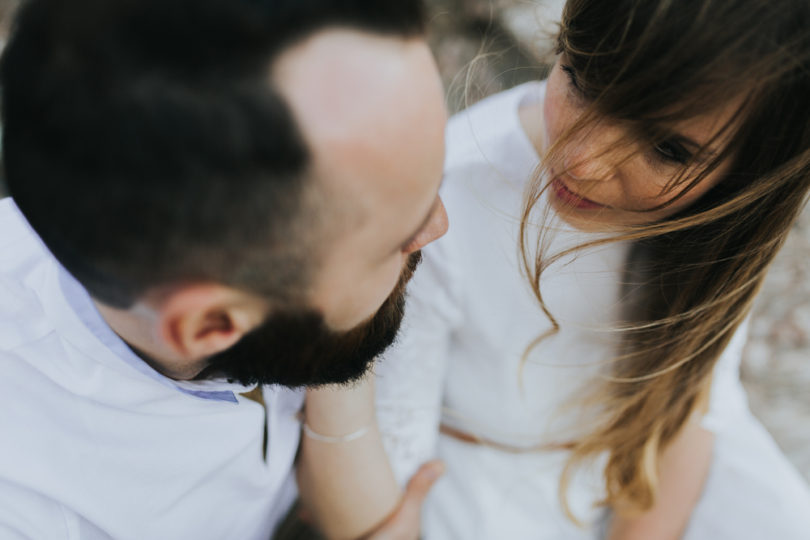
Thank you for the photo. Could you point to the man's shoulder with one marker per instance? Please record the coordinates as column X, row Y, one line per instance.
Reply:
column 22, row 261
column 20, row 247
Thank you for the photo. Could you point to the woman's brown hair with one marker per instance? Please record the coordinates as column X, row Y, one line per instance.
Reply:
column 689, row 279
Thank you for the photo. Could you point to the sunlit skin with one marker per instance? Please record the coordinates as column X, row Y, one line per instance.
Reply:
column 597, row 182
column 372, row 109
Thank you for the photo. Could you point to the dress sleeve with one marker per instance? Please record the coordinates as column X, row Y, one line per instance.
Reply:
column 410, row 375
column 727, row 396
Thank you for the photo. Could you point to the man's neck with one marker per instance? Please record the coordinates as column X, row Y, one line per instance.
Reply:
column 137, row 330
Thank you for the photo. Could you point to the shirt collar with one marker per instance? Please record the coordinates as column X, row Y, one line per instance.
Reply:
column 80, row 302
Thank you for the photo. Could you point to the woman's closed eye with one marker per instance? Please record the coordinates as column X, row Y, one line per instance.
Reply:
column 673, row 152
column 573, row 81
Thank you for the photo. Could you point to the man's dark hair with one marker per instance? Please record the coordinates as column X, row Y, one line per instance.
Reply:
column 145, row 143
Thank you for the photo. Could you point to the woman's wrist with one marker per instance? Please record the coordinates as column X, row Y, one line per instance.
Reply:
column 339, row 411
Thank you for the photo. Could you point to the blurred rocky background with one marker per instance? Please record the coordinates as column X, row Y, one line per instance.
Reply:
column 484, row 46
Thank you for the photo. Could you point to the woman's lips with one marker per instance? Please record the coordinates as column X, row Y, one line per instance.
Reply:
column 572, row 199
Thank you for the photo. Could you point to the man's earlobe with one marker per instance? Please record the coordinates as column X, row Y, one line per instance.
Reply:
column 199, row 321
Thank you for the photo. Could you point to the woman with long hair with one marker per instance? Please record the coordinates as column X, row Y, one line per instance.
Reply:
column 576, row 336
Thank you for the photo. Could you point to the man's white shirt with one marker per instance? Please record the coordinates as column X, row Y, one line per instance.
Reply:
column 94, row 443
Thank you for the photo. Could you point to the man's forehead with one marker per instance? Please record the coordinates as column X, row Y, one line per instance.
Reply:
column 340, row 81
column 366, row 105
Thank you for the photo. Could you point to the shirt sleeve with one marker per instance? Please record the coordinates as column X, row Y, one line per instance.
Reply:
column 727, row 396
column 27, row 515
column 410, row 375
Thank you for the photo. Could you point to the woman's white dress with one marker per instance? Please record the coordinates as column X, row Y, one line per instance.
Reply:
column 471, row 315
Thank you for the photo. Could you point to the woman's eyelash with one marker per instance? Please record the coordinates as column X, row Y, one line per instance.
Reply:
column 673, row 151
column 572, row 77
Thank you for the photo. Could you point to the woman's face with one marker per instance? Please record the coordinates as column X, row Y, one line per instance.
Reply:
column 598, row 181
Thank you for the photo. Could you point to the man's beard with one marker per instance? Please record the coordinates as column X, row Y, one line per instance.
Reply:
column 298, row 349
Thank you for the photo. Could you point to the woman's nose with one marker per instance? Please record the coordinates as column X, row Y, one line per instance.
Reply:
column 594, row 157
column 587, row 167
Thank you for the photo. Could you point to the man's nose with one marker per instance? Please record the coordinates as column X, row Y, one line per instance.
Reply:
column 436, row 228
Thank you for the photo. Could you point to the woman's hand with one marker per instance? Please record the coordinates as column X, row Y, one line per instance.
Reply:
column 404, row 523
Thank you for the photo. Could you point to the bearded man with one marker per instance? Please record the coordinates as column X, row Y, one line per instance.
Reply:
column 207, row 197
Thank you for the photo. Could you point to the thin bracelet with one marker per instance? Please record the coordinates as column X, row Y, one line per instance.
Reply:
column 308, row 431
column 312, row 434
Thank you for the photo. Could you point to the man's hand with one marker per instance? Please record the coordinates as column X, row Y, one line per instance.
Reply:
column 404, row 523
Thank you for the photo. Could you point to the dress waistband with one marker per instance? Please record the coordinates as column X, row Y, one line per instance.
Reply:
column 475, row 439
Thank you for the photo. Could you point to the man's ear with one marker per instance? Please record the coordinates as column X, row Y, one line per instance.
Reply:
column 200, row 320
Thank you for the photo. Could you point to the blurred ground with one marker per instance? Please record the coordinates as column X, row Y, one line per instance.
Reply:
column 483, row 46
